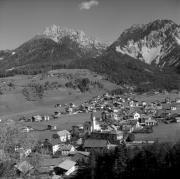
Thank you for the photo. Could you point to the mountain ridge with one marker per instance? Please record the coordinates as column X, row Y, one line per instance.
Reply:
column 156, row 43
column 60, row 47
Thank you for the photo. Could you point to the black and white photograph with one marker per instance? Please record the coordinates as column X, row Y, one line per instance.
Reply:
column 89, row 89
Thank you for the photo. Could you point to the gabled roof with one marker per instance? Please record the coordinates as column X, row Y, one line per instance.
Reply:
column 51, row 162
column 80, row 152
column 65, row 147
column 67, row 164
column 63, row 133
column 24, row 167
column 95, row 143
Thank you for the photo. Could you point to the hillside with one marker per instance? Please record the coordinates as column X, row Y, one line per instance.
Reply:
column 145, row 56
column 123, row 69
column 54, row 48
column 156, row 43
column 14, row 102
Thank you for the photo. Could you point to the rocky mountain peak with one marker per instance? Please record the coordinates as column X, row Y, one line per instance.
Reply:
column 57, row 33
column 154, row 43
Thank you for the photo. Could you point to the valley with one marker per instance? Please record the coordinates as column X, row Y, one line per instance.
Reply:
column 13, row 103
column 74, row 97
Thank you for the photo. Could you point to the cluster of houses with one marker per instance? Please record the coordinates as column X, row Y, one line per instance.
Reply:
column 113, row 121
column 118, row 108
column 125, row 109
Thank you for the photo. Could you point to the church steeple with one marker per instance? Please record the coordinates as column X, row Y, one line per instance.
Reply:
column 93, row 121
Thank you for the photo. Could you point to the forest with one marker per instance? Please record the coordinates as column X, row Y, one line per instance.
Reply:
column 160, row 160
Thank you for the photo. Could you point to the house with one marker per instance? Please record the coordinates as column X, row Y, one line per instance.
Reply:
column 173, row 108
column 46, row 118
column 137, row 116
column 80, row 156
column 76, row 130
column 23, row 152
column 127, row 128
column 177, row 119
column 57, row 114
column 48, row 164
column 24, row 168
column 36, row 118
column 64, row 149
column 178, row 100
column 27, row 129
column 95, row 144
column 132, row 104
column 115, row 116
column 64, row 135
column 66, row 168
column 150, row 122
column 113, row 136
column 143, row 103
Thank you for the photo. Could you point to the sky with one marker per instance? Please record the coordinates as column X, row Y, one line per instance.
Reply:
column 105, row 20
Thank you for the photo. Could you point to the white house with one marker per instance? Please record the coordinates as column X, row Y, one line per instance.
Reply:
column 150, row 122
column 115, row 116
column 173, row 108
column 144, row 103
column 178, row 119
column 63, row 149
column 131, row 104
column 64, row 135
column 37, row 118
column 136, row 115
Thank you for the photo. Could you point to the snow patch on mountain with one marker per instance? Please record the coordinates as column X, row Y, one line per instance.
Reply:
column 157, row 43
column 118, row 49
column 151, row 54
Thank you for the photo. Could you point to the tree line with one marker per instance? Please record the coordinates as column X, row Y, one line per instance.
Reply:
column 157, row 160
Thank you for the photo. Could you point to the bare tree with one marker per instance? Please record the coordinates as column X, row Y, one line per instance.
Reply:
column 12, row 144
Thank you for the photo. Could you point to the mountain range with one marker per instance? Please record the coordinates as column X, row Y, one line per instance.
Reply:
column 143, row 54
column 155, row 43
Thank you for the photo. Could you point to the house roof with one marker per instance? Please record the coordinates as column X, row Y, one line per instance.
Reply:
column 46, row 135
column 52, row 162
column 67, row 164
column 95, row 143
column 66, row 147
column 63, row 133
column 150, row 120
column 55, row 142
column 24, row 167
column 80, row 152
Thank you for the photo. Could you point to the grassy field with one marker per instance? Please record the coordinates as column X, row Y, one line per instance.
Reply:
column 13, row 103
column 163, row 133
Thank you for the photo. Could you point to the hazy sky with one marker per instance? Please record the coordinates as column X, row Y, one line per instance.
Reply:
column 20, row 20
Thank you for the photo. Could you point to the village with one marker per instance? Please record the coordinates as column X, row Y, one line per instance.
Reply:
column 113, row 120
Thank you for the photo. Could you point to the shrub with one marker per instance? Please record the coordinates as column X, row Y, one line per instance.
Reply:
column 33, row 92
